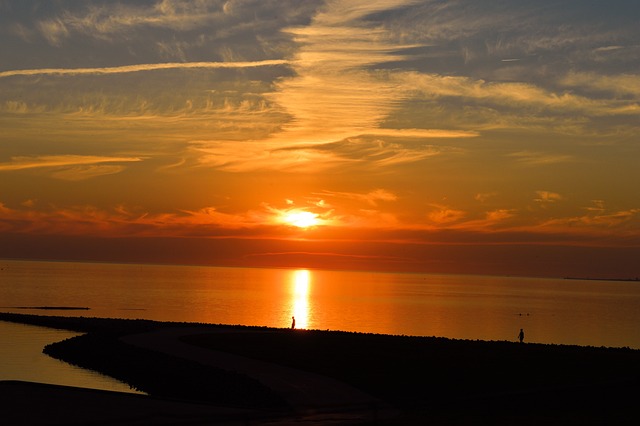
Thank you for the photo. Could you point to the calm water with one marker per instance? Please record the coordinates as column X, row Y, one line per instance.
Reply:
column 597, row 313
column 21, row 358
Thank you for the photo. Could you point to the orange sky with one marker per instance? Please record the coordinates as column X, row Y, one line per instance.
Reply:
column 457, row 136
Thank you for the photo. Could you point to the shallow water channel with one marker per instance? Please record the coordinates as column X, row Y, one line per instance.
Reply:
column 21, row 358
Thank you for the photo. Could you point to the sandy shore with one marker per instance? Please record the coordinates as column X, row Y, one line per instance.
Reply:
column 253, row 375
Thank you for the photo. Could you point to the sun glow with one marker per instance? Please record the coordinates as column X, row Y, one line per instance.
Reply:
column 301, row 219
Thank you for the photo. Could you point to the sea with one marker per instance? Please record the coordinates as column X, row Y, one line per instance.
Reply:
column 494, row 308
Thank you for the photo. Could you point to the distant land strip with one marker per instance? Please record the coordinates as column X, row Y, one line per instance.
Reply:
column 52, row 308
column 636, row 279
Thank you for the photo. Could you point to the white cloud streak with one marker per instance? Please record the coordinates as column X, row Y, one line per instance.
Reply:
column 22, row 163
column 141, row 68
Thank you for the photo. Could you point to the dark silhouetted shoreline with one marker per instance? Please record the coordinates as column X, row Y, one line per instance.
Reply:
column 426, row 380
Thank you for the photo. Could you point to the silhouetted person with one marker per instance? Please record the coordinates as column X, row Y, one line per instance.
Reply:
column 293, row 322
column 521, row 336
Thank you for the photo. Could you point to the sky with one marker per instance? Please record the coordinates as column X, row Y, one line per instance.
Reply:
column 463, row 136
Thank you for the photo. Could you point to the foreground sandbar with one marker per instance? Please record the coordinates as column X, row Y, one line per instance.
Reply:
column 440, row 381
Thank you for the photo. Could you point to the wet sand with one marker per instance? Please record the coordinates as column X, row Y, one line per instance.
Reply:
column 281, row 376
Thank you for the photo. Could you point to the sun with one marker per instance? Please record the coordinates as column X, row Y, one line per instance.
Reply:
column 301, row 219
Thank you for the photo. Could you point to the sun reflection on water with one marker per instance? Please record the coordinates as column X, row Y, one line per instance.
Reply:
column 300, row 287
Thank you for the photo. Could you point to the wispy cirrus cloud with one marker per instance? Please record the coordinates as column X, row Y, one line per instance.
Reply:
column 596, row 206
column 500, row 215
column 529, row 158
column 372, row 197
column 423, row 133
column 517, row 100
column 484, row 196
column 141, row 68
column 336, row 103
column 70, row 167
column 620, row 85
column 445, row 215
column 515, row 30
column 628, row 219
column 334, row 95
column 78, row 173
column 534, row 91
column 21, row 163
column 369, row 150
column 109, row 21
column 546, row 197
